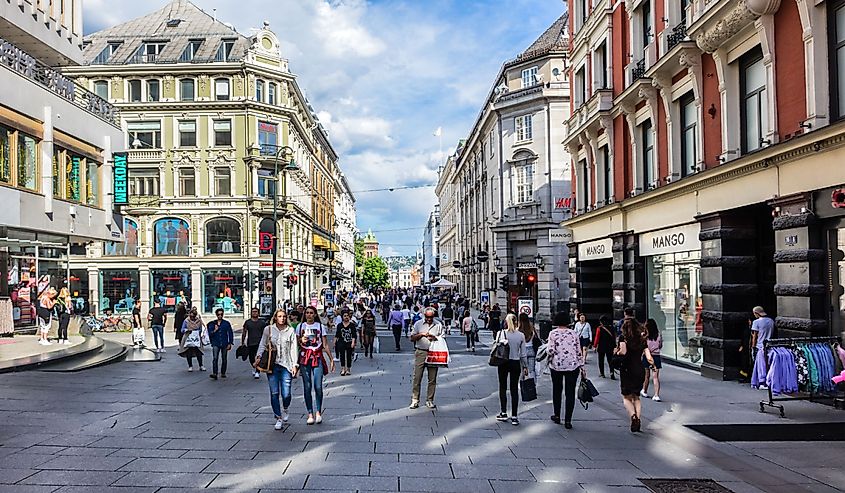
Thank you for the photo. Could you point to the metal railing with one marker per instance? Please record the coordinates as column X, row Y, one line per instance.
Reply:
column 678, row 34
column 638, row 71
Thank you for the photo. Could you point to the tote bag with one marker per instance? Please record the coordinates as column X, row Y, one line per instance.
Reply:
column 438, row 353
column 501, row 351
column 193, row 339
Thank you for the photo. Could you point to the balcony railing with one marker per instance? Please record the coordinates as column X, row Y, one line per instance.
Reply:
column 638, row 70
column 52, row 79
column 679, row 33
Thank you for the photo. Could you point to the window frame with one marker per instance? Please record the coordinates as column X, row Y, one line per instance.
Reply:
column 584, row 185
column 185, row 180
column 131, row 97
column 191, row 49
column 193, row 84
column 104, row 83
column 524, row 128
column 837, row 74
column 608, row 172
column 149, row 84
column 646, row 23
column 746, row 61
column 271, row 93
column 218, row 178
column 182, row 134
column 524, row 183
column 226, row 142
column 531, row 73
column 156, row 134
column 259, row 90
column 647, row 139
column 217, row 95
column 687, row 103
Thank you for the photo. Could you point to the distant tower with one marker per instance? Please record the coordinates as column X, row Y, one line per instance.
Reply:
column 370, row 245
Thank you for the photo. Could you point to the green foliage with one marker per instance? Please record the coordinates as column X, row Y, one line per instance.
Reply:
column 359, row 257
column 375, row 273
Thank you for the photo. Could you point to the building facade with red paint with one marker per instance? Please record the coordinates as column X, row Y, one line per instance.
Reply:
column 707, row 155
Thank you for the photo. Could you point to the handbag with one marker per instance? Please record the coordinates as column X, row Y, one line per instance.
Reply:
column 204, row 337
column 268, row 357
column 616, row 362
column 438, row 353
column 585, row 397
column 193, row 339
column 242, row 352
column 499, row 354
column 529, row 389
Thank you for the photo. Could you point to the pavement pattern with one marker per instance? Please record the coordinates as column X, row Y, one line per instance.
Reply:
column 154, row 427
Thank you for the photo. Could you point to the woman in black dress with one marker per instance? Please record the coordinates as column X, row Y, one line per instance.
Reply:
column 179, row 319
column 633, row 346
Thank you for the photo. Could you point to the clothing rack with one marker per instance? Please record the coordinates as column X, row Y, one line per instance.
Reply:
column 789, row 341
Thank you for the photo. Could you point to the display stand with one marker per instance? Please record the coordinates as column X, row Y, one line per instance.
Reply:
column 802, row 396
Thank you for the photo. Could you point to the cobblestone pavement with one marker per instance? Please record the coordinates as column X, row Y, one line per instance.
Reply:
column 154, row 427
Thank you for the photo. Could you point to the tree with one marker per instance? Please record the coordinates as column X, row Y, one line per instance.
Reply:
column 359, row 255
column 375, row 273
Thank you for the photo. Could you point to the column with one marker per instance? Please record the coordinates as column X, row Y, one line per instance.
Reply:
column 144, row 287
column 800, row 255
column 545, row 279
column 93, row 289
column 728, row 287
column 196, row 286
column 628, row 276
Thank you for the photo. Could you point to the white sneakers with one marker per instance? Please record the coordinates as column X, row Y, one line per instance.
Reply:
column 656, row 398
column 310, row 420
column 202, row 368
column 256, row 374
column 278, row 425
column 285, row 416
column 643, row 394
column 163, row 350
column 45, row 343
column 319, row 419
column 190, row 368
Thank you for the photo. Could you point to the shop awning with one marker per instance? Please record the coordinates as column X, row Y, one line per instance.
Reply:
column 324, row 243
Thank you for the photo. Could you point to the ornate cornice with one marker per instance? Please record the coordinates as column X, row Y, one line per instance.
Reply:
column 745, row 12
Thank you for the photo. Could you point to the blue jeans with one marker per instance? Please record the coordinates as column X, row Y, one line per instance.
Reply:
column 158, row 336
column 312, row 377
column 279, row 382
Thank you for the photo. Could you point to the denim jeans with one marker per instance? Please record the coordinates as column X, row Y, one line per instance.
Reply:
column 158, row 336
column 312, row 377
column 218, row 351
column 279, row 381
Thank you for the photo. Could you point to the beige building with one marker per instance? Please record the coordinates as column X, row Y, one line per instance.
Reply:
column 213, row 119
column 57, row 141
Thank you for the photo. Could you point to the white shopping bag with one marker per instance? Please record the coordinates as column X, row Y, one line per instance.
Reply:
column 376, row 345
column 438, row 353
column 138, row 335
column 193, row 339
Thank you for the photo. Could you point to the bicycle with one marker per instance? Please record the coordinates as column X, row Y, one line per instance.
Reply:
column 108, row 324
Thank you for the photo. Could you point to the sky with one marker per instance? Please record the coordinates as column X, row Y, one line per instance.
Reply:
column 383, row 75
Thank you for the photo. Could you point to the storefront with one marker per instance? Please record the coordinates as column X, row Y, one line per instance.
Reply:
column 32, row 256
column 223, row 288
column 118, row 290
column 79, row 291
column 592, row 281
column 673, row 290
column 170, row 287
column 829, row 205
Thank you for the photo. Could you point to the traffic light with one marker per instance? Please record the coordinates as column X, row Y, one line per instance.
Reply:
column 531, row 278
column 293, row 279
column 288, row 283
column 504, row 282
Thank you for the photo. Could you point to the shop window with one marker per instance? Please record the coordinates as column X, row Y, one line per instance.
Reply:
column 265, row 237
column 126, row 248
column 187, row 182
column 170, row 287
column 78, row 287
column 118, row 290
column 222, row 133
column 101, row 88
column 59, row 156
column 674, row 301
column 186, row 89
column 153, row 90
column 222, row 235
column 27, row 161
column 754, row 116
column 688, row 134
column 171, row 237
column 146, row 135
column 134, row 91
column 92, row 183
column 73, row 176
column 222, row 182
column 223, row 289
column 836, row 21
column 5, row 154
column 188, row 133
column 221, row 89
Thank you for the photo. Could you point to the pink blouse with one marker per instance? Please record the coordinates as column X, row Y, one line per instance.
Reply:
column 564, row 350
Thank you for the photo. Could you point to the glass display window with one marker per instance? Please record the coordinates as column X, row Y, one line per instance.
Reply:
column 129, row 246
column 674, row 301
column 118, row 290
column 222, row 236
column 172, row 237
column 79, row 289
column 171, row 287
column 223, row 288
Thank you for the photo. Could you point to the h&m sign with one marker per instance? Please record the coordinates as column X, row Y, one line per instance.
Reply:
column 671, row 240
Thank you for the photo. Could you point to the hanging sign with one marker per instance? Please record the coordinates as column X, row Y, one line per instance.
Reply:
column 121, row 178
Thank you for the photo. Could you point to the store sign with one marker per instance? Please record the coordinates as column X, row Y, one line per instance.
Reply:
column 121, row 178
column 672, row 240
column 560, row 235
column 595, row 250
column 73, row 177
column 526, row 265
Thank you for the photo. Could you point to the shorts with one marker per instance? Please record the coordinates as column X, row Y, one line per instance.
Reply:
column 44, row 324
column 586, row 342
column 657, row 362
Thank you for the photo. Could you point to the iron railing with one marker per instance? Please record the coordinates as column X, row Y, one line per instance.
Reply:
column 678, row 34
column 638, row 72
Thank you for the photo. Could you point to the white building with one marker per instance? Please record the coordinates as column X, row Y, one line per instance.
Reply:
column 502, row 193
column 56, row 157
column 345, row 230
column 430, row 254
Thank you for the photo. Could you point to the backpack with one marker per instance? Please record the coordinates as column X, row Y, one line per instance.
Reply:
column 417, row 317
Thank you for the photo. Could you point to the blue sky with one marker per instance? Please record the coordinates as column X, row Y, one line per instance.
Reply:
column 383, row 75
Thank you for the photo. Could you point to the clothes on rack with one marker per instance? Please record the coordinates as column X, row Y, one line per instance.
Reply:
column 782, row 376
column 789, row 367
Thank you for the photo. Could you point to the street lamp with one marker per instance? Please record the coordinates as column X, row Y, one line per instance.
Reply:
column 539, row 261
column 288, row 167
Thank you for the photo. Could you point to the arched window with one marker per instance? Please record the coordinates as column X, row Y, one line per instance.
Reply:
column 172, row 237
column 222, row 235
column 265, row 236
column 127, row 248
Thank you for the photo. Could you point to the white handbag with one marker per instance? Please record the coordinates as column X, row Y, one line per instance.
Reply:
column 193, row 339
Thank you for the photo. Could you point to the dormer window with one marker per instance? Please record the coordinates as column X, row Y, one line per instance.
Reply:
column 149, row 51
column 107, row 53
column 191, row 50
column 529, row 77
column 225, row 50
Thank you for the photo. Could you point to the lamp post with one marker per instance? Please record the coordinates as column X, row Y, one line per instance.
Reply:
column 290, row 166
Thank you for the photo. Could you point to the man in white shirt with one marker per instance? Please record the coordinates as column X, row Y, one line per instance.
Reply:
column 425, row 331
column 406, row 316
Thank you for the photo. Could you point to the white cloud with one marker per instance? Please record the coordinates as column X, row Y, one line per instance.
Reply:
column 357, row 131
column 339, row 28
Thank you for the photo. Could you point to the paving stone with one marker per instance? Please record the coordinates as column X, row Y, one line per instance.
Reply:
column 236, row 482
column 77, row 478
column 13, row 475
column 431, row 469
column 361, row 483
column 142, row 452
column 173, row 479
column 437, row 485
column 166, row 465
column 71, row 463
column 478, row 471
column 199, row 444
column 24, row 488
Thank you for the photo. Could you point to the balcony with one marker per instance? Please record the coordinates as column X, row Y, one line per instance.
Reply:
column 146, row 156
column 712, row 23
column 678, row 34
column 586, row 115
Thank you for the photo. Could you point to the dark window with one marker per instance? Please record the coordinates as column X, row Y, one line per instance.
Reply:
column 647, row 24
column 187, row 182
column 753, row 100
column 259, row 90
column 584, row 185
column 222, row 182
column 186, row 87
column 225, row 50
column 191, row 50
column 600, row 64
column 222, row 133
column 107, row 53
column 688, row 134
column 266, row 183
column 265, row 236
column 836, row 22
column 188, row 134
column 684, row 5
column 101, row 88
column 135, row 91
column 222, row 235
column 271, row 93
column 607, row 166
column 153, row 92
column 648, row 154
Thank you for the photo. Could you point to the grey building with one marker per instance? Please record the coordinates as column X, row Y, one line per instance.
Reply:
column 430, row 260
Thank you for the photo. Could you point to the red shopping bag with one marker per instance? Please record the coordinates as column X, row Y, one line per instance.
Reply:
column 438, row 353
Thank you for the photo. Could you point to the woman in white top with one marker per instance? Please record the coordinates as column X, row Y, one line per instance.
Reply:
column 313, row 343
column 286, row 365
column 517, row 364
column 584, row 331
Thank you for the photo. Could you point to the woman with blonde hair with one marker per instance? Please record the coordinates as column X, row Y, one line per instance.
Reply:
column 44, row 312
column 283, row 337
column 64, row 308
column 517, row 365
